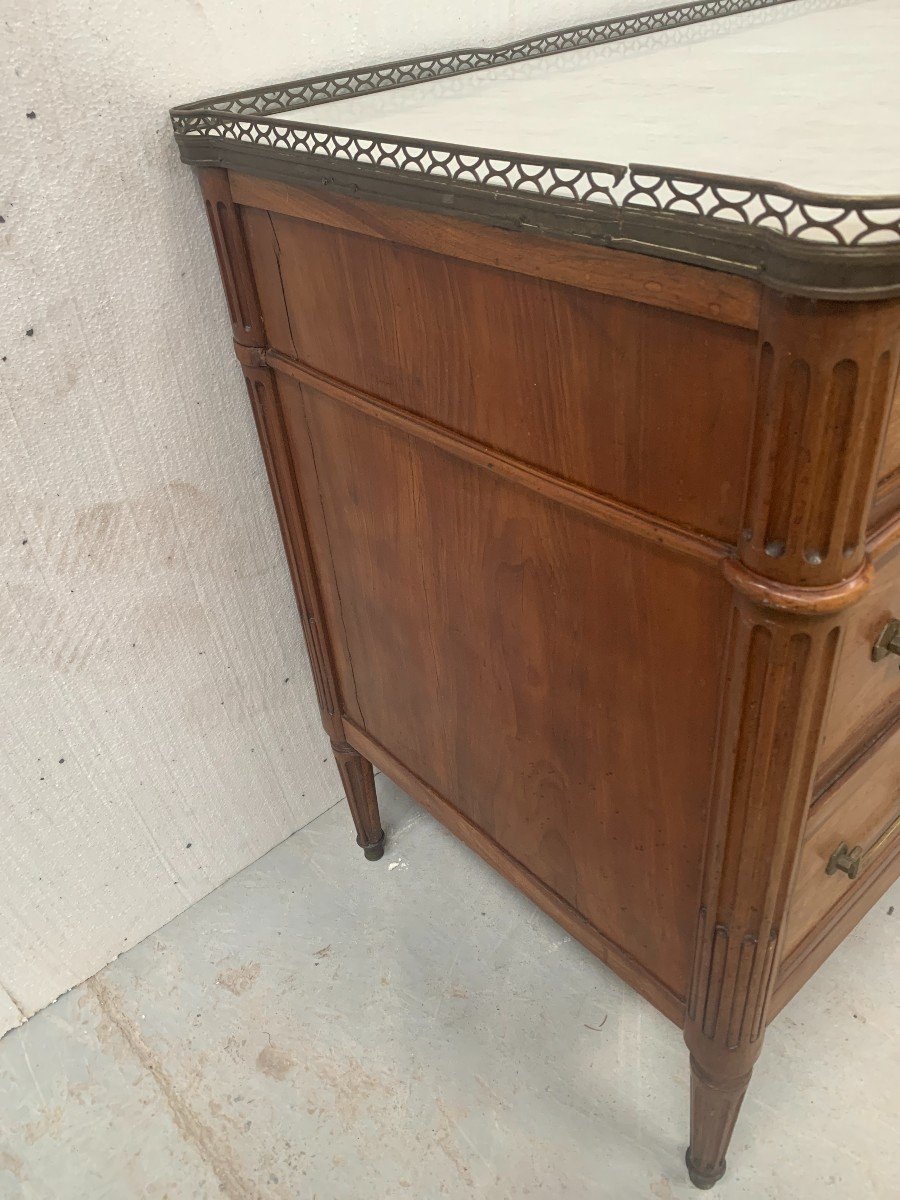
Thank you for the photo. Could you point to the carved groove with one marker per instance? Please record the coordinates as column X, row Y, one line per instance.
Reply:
column 234, row 263
column 224, row 264
column 884, row 372
column 359, row 786
column 715, row 981
column 225, row 220
column 764, row 990
column 306, row 575
column 793, row 394
column 740, row 996
column 266, row 411
column 822, row 535
column 694, row 989
column 822, row 398
column 780, row 676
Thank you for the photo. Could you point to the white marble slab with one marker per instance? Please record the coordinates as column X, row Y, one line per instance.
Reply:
column 806, row 94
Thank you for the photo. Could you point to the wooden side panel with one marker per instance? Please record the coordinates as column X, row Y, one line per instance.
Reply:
column 556, row 681
column 646, row 405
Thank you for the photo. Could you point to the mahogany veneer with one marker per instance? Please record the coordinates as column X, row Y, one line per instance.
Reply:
column 579, row 541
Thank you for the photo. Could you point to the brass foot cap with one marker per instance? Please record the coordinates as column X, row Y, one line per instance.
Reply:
column 376, row 850
column 700, row 1180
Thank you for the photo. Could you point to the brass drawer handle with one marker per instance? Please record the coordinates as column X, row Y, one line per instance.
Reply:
column 851, row 862
column 888, row 641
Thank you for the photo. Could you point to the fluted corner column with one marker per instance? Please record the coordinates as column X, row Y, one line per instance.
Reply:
column 825, row 378
column 248, row 331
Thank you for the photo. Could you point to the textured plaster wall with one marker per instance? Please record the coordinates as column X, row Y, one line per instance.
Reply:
column 157, row 717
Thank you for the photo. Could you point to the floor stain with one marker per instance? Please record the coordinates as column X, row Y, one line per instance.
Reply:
column 13, row 1164
column 274, row 1062
column 447, row 1140
column 350, row 1085
column 217, row 1154
column 47, row 1125
column 239, row 979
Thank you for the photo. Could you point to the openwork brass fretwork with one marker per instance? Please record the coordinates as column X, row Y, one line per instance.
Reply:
column 223, row 129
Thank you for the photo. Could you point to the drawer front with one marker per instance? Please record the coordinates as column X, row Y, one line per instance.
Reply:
column 866, row 696
column 860, row 813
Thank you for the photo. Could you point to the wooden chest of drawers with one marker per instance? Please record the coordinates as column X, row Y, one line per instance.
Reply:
column 592, row 548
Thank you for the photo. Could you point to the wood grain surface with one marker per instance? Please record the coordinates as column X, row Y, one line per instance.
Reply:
column 590, row 551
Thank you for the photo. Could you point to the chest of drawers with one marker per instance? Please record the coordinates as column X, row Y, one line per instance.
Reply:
column 590, row 510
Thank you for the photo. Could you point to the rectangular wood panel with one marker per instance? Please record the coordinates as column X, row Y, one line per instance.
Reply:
column 649, row 406
column 532, row 666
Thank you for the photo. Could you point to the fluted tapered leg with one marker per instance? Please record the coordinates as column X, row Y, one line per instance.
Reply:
column 359, row 786
column 715, row 1104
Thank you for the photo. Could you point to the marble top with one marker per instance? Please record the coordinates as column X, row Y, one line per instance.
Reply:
column 806, row 94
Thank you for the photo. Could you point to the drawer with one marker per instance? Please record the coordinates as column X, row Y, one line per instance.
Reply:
column 860, row 812
column 866, row 695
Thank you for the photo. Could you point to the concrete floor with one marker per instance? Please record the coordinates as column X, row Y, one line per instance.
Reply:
column 322, row 1028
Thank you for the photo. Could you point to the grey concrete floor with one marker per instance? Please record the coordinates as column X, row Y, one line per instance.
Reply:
column 325, row 1028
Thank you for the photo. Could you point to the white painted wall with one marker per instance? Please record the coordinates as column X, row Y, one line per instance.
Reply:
column 158, row 724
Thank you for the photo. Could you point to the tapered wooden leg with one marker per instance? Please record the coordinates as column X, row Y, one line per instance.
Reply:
column 359, row 786
column 715, row 1104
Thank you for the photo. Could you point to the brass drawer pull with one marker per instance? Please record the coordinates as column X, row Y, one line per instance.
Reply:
column 888, row 641
column 851, row 862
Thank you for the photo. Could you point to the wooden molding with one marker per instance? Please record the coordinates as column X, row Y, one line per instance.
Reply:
column 273, row 440
column 649, row 986
column 825, row 377
column 800, row 601
column 234, row 263
column 778, row 680
column 663, row 284
column 249, row 356
column 602, row 508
